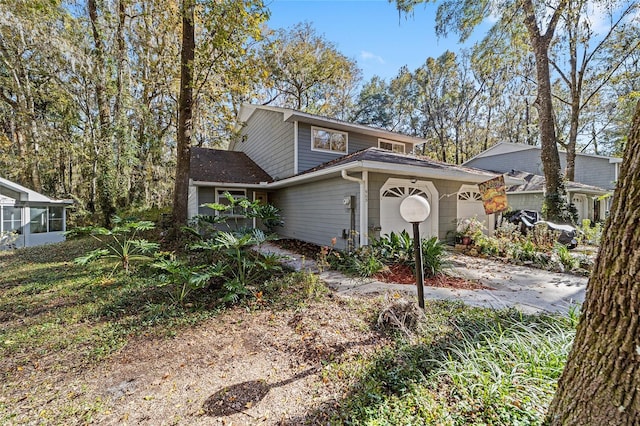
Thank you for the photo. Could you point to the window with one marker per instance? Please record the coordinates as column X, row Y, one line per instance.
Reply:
column 55, row 219
column 38, row 222
column 237, row 194
column 46, row 219
column 206, row 195
column 391, row 146
column 12, row 219
column 328, row 140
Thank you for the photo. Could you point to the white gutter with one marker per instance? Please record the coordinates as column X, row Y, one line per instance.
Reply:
column 261, row 185
column 364, row 203
column 295, row 147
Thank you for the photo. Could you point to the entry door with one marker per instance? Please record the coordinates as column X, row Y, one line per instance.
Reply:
column 393, row 192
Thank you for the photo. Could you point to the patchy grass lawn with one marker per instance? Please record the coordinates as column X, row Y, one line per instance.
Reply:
column 79, row 345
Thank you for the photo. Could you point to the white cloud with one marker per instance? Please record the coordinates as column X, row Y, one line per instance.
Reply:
column 368, row 56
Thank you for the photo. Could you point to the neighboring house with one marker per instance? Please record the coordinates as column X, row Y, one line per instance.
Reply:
column 595, row 176
column 34, row 219
column 332, row 179
column 590, row 202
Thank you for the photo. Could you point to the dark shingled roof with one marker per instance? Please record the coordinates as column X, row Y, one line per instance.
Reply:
column 216, row 165
column 536, row 183
column 384, row 156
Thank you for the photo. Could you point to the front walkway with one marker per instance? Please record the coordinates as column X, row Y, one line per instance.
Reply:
column 530, row 290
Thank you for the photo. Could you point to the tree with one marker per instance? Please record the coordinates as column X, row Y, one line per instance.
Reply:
column 599, row 385
column 185, row 114
column 373, row 105
column 541, row 23
column 31, row 48
column 589, row 69
column 307, row 72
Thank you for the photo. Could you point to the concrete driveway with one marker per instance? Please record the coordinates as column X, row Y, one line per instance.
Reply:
column 531, row 290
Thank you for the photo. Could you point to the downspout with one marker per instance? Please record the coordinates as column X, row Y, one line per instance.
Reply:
column 364, row 204
column 295, row 147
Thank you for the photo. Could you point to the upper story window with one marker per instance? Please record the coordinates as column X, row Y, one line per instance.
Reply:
column 391, row 146
column 328, row 140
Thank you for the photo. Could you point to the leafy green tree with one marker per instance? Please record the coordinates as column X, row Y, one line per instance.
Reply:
column 306, row 72
column 33, row 98
column 541, row 23
column 373, row 105
column 211, row 64
column 584, row 69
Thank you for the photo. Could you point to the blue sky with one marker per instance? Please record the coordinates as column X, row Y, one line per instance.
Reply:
column 369, row 31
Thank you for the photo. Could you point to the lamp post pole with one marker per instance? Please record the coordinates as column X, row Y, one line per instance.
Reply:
column 417, row 252
column 415, row 210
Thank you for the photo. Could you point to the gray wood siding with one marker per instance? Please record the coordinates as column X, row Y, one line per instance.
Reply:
column 314, row 212
column 595, row 171
column 269, row 143
column 525, row 161
column 525, row 201
column 589, row 170
column 448, row 207
column 307, row 158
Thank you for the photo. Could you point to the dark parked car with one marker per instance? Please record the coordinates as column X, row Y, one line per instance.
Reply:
column 527, row 219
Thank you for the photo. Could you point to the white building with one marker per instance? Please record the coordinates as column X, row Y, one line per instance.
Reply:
column 28, row 218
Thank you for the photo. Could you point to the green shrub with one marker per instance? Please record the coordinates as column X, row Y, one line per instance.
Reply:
column 543, row 237
column 243, row 268
column 590, row 233
column 398, row 249
column 565, row 257
column 394, row 248
column 367, row 264
column 460, row 366
column 509, row 231
column 433, row 253
column 120, row 243
column 183, row 279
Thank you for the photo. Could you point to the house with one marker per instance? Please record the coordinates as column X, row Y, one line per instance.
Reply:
column 594, row 181
column 28, row 218
column 333, row 179
column 590, row 202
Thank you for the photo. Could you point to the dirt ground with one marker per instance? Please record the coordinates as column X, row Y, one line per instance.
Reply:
column 241, row 368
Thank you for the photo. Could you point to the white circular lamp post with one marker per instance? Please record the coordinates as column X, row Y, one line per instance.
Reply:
column 415, row 210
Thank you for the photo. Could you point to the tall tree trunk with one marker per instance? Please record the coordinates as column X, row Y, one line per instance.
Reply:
column 599, row 385
column 104, row 179
column 555, row 193
column 570, row 147
column 185, row 115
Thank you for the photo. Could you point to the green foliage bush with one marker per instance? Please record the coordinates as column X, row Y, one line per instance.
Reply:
column 394, row 248
column 241, row 267
column 119, row 243
column 539, row 247
column 590, row 233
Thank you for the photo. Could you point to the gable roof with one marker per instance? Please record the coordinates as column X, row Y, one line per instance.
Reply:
column 535, row 183
column 10, row 191
column 389, row 157
column 216, row 165
column 291, row 115
column 383, row 161
column 508, row 147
